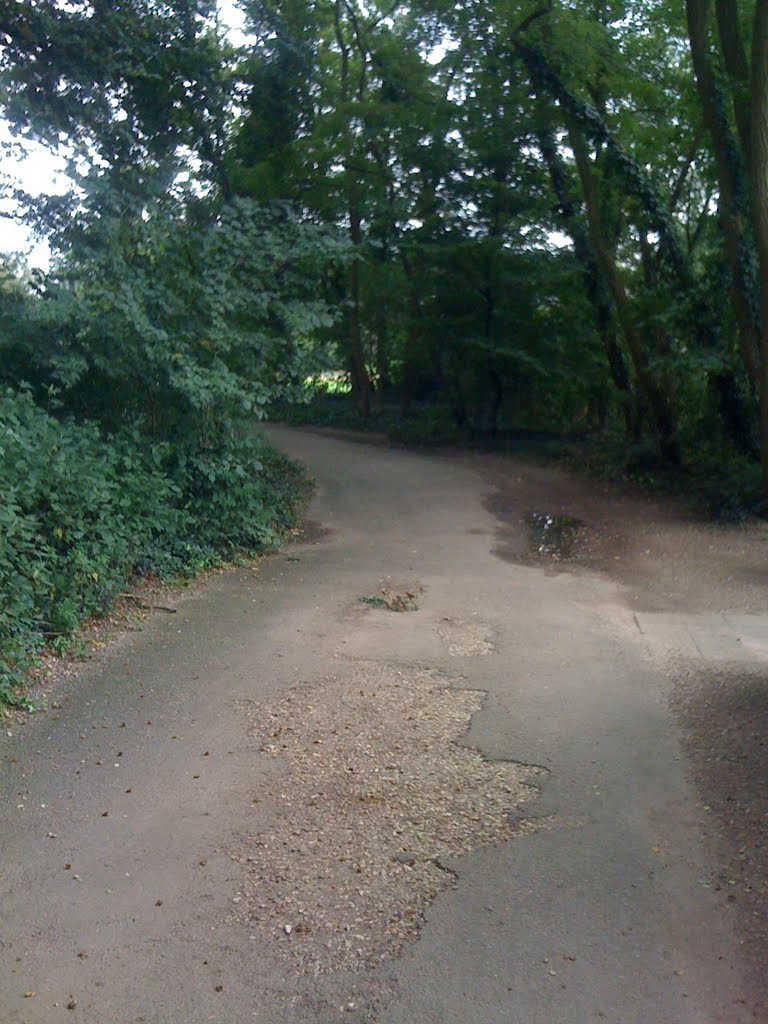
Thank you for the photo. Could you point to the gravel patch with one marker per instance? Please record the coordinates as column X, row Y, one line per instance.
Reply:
column 376, row 797
column 465, row 639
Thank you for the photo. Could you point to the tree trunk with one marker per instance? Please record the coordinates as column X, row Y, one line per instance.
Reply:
column 737, row 66
column 382, row 364
column 361, row 382
column 659, row 402
column 729, row 162
column 759, row 190
column 594, row 282
column 412, row 336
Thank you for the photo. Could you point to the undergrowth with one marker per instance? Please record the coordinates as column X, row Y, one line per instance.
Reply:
column 82, row 514
column 720, row 485
column 427, row 424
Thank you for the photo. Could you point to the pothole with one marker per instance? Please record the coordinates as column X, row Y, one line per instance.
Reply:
column 376, row 796
column 554, row 536
column 396, row 598
column 465, row 639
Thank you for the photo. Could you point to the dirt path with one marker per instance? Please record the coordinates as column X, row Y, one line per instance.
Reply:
column 532, row 796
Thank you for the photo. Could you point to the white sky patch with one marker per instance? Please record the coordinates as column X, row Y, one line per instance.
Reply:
column 559, row 239
column 233, row 22
column 448, row 45
column 38, row 171
column 42, row 171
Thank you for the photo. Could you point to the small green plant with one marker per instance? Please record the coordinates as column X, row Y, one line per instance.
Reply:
column 69, row 646
column 395, row 600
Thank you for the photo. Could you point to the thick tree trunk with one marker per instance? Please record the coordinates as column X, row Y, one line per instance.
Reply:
column 759, row 195
column 593, row 280
column 733, row 411
column 730, row 164
column 737, row 66
column 659, row 401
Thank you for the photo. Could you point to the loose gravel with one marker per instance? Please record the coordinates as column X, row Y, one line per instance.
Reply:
column 376, row 800
column 466, row 639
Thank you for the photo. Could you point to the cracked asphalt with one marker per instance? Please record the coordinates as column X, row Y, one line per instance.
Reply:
column 120, row 897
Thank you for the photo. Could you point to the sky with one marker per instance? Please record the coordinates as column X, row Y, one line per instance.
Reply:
column 38, row 171
column 41, row 171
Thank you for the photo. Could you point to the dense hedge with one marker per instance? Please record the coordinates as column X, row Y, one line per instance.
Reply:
column 80, row 515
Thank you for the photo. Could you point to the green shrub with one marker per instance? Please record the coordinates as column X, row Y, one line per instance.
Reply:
column 80, row 515
column 243, row 496
column 133, row 371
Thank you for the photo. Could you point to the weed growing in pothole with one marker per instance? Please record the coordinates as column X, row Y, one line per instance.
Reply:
column 394, row 600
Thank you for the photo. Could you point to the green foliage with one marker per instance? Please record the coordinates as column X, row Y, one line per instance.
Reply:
column 178, row 326
column 428, row 423
column 243, row 497
column 120, row 88
column 729, row 490
column 719, row 484
column 133, row 376
column 77, row 514
column 80, row 515
column 459, row 176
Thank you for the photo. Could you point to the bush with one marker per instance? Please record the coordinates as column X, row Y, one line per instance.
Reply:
column 80, row 515
column 131, row 371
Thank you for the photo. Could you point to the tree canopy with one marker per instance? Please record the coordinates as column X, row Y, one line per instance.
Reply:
column 537, row 215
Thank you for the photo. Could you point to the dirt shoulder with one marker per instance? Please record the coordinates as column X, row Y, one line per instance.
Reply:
column 666, row 556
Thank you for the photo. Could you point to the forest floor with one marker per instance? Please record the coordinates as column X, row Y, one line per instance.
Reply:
column 488, row 742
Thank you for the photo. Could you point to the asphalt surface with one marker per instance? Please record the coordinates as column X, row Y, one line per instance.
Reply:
column 120, row 809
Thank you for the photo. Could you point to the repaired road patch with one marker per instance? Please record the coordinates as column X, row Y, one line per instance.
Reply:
column 377, row 796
